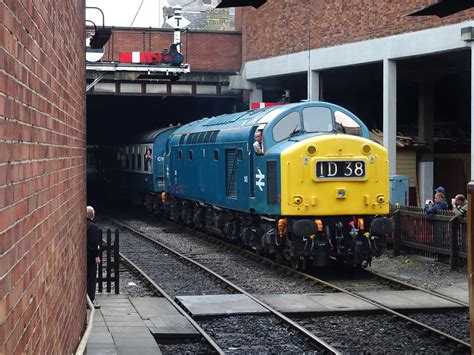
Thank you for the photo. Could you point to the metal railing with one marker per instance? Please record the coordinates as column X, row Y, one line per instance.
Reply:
column 110, row 263
column 441, row 236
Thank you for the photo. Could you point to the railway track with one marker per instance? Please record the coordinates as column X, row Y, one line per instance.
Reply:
column 313, row 284
column 293, row 337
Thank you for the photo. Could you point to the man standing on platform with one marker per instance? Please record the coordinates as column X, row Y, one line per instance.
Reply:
column 93, row 258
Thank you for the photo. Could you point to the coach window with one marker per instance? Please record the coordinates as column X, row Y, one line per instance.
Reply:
column 346, row 124
column 216, row 154
column 287, row 126
column 317, row 119
column 190, row 154
column 139, row 160
column 133, row 158
column 127, row 165
column 121, row 158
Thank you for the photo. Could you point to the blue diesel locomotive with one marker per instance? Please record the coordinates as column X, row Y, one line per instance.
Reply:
column 314, row 187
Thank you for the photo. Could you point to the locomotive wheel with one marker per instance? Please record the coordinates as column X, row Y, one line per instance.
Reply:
column 279, row 258
column 298, row 263
column 303, row 263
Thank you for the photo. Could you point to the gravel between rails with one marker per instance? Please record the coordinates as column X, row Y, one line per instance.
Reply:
column 454, row 323
column 230, row 334
column 373, row 334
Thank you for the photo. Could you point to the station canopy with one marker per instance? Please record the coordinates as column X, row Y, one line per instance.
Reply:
column 240, row 3
column 443, row 8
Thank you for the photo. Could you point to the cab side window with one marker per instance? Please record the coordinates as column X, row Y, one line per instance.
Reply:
column 147, row 159
column 287, row 126
column 345, row 124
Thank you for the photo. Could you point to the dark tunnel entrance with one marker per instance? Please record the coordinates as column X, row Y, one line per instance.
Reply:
column 115, row 119
column 111, row 119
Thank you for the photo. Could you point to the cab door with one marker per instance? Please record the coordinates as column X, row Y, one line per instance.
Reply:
column 257, row 172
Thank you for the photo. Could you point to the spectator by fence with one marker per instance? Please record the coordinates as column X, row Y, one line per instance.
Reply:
column 440, row 236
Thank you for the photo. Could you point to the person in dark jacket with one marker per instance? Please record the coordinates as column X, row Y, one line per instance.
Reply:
column 443, row 191
column 439, row 203
column 93, row 258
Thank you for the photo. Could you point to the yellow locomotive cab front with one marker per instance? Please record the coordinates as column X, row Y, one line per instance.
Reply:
column 334, row 175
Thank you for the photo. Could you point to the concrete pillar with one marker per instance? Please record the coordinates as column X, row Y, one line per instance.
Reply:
column 390, row 112
column 256, row 95
column 425, row 178
column 425, row 132
column 313, row 85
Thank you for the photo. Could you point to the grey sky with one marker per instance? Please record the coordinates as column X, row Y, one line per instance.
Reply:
column 122, row 12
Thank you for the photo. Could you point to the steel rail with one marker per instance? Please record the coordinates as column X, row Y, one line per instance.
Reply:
column 175, row 305
column 326, row 347
column 287, row 269
column 439, row 333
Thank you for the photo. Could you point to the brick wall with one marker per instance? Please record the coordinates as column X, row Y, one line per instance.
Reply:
column 286, row 26
column 218, row 52
column 42, row 176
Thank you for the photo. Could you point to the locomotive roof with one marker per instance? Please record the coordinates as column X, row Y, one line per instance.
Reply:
column 148, row 137
column 247, row 119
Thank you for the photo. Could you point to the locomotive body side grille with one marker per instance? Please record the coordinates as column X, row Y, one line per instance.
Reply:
column 272, row 182
column 230, row 172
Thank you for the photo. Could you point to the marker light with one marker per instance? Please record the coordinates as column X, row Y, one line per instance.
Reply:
column 360, row 223
column 282, row 223
column 366, row 149
column 319, row 224
column 311, row 150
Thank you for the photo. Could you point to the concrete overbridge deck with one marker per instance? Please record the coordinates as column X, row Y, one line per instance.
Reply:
column 130, row 325
column 317, row 303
